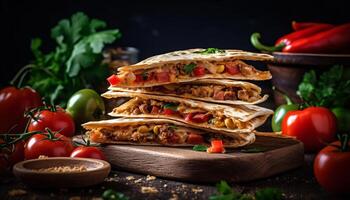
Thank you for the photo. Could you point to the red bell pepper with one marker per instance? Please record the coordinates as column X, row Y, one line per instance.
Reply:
column 335, row 40
column 314, row 126
column 113, row 79
column 14, row 102
column 302, row 25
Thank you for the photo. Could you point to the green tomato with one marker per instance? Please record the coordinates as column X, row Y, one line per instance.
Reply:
column 343, row 119
column 85, row 105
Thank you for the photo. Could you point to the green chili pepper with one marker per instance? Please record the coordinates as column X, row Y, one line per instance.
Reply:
column 255, row 40
column 280, row 112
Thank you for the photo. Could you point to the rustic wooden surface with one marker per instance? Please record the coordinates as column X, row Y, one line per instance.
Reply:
column 295, row 184
column 280, row 154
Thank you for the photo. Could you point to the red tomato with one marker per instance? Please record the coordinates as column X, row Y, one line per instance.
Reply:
column 113, row 79
column 231, row 68
column 139, row 78
column 199, row 71
column 331, row 168
column 194, row 138
column 54, row 120
column 14, row 103
column 174, row 139
column 11, row 155
column 314, row 126
column 40, row 144
column 217, row 146
column 162, row 77
column 167, row 111
column 87, row 152
column 197, row 117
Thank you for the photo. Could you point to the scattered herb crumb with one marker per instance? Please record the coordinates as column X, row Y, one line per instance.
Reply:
column 200, row 148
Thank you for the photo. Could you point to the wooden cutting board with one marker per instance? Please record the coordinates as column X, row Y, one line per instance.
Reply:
column 280, row 155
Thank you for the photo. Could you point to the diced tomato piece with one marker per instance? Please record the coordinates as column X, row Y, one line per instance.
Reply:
column 194, row 138
column 139, row 78
column 174, row 139
column 197, row 117
column 231, row 68
column 155, row 110
column 150, row 76
column 217, row 146
column 168, row 111
column 113, row 79
column 199, row 71
column 219, row 95
column 162, row 77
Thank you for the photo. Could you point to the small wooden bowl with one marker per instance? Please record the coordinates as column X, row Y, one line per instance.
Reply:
column 28, row 172
column 288, row 70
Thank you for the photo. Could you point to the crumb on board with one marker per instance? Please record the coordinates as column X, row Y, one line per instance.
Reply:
column 174, row 197
column 42, row 157
column 165, row 185
column 138, row 180
column 129, row 178
column 64, row 169
column 197, row 190
column 16, row 192
column 148, row 190
column 111, row 179
column 150, row 178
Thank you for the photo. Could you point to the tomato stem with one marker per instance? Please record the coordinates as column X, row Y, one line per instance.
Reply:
column 344, row 142
column 21, row 74
column 8, row 138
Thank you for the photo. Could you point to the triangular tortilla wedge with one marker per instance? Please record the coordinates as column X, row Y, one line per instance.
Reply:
column 235, row 118
column 167, row 133
column 222, row 91
column 192, row 64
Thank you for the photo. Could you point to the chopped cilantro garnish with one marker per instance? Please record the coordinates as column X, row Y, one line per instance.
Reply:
column 210, row 51
column 170, row 106
column 189, row 68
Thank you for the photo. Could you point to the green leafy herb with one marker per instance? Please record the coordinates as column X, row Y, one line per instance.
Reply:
column 253, row 150
column 170, row 106
column 225, row 192
column 173, row 127
column 189, row 68
column 111, row 194
column 329, row 90
column 210, row 51
column 199, row 148
column 75, row 63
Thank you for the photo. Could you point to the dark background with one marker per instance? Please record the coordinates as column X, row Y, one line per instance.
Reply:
column 160, row 26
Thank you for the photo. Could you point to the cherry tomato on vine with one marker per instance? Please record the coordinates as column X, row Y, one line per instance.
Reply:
column 88, row 152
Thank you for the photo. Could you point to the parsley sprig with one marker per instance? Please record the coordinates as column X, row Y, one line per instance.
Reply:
column 189, row 68
column 76, row 61
column 328, row 90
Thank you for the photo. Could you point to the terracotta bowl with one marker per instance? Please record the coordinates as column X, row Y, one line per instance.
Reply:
column 288, row 70
column 28, row 172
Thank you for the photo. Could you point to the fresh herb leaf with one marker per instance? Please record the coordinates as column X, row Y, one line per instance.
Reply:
column 171, row 106
column 111, row 194
column 225, row 192
column 253, row 150
column 76, row 61
column 268, row 194
column 328, row 90
column 199, row 148
column 189, row 68
column 210, row 51
column 173, row 127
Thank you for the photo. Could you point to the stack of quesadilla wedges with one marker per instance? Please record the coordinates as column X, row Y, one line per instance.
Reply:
column 184, row 98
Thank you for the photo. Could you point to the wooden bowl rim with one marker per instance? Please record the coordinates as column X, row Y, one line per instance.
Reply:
column 21, row 169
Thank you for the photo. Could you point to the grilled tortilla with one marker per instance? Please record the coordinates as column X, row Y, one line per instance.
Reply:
column 211, row 90
column 165, row 132
column 190, row 65
column 237, row 118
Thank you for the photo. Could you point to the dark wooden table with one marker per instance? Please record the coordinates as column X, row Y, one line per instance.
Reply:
column 296, row 184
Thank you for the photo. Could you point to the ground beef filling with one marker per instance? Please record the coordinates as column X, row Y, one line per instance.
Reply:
column 138, row 106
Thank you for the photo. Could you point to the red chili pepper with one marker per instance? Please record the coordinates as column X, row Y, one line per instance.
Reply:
column 314, row 126
column 283, row 41
column 302, row 25
column 335, row 40
column 291, row 37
